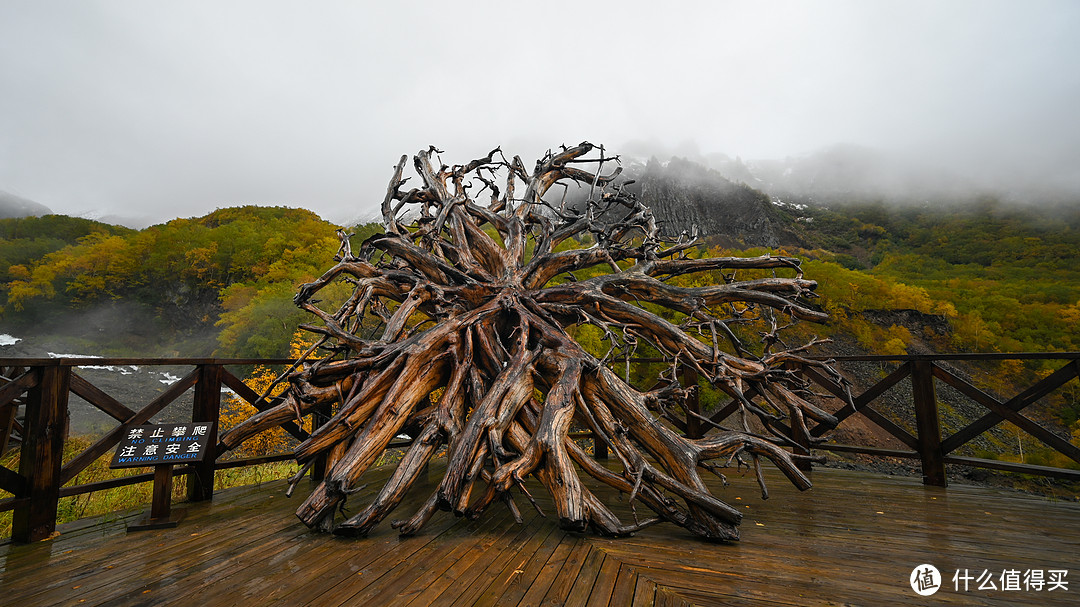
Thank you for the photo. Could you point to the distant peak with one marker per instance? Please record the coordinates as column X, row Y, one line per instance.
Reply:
column 17, row 206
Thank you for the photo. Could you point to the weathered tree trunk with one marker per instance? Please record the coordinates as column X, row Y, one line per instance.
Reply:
column 476, row 358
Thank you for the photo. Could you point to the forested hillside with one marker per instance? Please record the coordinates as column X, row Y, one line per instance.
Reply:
column 24, row 241
column 1009, row 277
column 986, row 277
column 234, row 269
column 1005, row 279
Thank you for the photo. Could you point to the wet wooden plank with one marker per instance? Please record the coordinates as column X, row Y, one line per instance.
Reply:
column 625, row 584
column 176, row 563
column 489, row 563
column 103, row 564
column 604, row 585
column 547, row 574
column 522, row 568
column 852, row 539
column 426, row 566
column 328, row 577
column 213, row 581
column 479, row 537
column 560, row 589
column 586, row 579
column 644, row 592
column 360, row 562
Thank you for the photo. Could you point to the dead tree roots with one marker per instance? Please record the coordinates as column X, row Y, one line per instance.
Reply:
column 477, row 287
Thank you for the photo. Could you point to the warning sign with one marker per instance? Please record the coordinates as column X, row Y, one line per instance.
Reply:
column 155, row 444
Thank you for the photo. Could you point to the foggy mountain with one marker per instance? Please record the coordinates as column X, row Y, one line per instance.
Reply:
column 834, row 175
column 848, row 173
column 16, row 206
column 684, row 195
column 135, row 222
column 12, row 206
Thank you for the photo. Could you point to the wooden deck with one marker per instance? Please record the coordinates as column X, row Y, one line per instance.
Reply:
column 852, row 540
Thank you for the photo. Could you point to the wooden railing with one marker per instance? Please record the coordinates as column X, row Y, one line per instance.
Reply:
column 928, row 444
column 40, row 388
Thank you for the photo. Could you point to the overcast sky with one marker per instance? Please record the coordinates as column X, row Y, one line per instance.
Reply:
column 176, row 108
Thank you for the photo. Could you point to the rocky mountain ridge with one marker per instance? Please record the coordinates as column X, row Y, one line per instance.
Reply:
column 685, row 195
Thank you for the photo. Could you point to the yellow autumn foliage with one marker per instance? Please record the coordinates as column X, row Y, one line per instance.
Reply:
column 236, row 409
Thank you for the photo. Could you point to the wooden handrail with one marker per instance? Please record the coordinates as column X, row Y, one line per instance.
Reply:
column 43, row 385
column 46, row 383
column 929, row 445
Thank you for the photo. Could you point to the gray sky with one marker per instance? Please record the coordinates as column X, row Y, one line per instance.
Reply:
column 174, row 109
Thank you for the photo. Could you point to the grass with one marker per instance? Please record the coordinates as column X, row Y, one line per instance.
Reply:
column 108, row 501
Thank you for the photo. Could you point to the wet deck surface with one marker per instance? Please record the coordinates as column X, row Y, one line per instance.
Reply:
column 852, row 540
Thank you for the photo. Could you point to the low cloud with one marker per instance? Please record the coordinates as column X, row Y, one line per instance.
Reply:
column 137, row 109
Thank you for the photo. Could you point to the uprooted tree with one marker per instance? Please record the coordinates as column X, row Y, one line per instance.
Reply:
column 475, row 299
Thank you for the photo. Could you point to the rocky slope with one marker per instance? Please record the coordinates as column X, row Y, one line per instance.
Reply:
column 684, row 194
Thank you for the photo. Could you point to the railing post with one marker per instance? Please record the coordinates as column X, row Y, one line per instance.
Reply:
column 693, row 404
column 600, row 448
column 42, row 454
column 200, row 485
column 320, row 416
column 927, row 423
column 800, row 438
column 803, row 441
column 7, row 423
